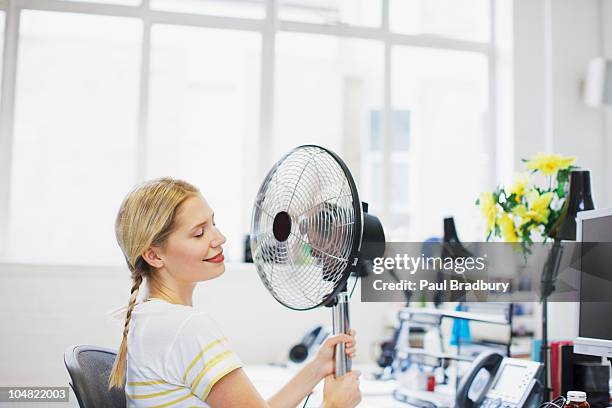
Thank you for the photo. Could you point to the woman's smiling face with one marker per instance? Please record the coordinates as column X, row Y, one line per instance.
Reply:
column 193, row 251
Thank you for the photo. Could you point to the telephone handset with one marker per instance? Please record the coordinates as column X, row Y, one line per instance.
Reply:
column 476, row 381
column 497, row 382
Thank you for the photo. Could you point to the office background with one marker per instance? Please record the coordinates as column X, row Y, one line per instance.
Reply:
column 429, row 102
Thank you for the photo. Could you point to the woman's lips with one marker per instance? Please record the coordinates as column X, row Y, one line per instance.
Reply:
column 216, row 259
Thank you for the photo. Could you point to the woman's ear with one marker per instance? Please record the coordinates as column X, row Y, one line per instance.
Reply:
column 150, row 256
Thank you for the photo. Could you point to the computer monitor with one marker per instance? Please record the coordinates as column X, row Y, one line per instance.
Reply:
column 594, row 317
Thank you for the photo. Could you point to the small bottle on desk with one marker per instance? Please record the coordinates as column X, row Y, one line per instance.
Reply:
column 576, row 399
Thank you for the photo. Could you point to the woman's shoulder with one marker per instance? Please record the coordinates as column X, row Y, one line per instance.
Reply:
column 200, row 326
column 188, row 322
column 165, row 322
column 200, row 352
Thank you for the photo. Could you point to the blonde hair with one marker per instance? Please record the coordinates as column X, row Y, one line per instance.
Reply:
column 145, row 219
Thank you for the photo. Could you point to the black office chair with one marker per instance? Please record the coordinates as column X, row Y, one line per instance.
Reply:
column 89, row 368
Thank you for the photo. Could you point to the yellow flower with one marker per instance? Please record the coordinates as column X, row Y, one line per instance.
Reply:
column 488, row 209
column 519, row 210
column 549, row 163
column 539, row 207
column 538, row 210
column 506, row 223
column 521, row 181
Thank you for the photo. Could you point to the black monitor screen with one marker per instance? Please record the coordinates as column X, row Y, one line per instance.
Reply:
column 595, row 320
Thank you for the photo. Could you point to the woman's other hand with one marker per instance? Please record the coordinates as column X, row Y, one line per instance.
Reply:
column 324, row 360
column 342, row 392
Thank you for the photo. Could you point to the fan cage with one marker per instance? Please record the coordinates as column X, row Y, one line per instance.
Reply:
column 314, row 187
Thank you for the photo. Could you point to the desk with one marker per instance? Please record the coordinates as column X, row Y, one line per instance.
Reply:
column 375, row 394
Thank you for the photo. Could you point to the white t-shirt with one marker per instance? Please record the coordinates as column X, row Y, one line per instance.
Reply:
column 175, row 356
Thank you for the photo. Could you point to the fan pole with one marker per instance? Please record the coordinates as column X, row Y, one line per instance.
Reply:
column 341, row 325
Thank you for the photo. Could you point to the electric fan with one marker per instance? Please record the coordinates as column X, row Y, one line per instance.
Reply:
column 309, row 231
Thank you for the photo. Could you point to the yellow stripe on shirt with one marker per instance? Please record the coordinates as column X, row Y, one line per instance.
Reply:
column 209, row 365
column 147, row 382
column 204, row 350
column 217, row 378
column 157, row 394
column 176, row 401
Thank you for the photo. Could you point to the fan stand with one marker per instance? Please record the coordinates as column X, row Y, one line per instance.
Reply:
column 341, row 325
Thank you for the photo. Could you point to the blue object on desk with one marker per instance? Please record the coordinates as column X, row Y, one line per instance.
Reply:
column 535, row 349
column 461, row 329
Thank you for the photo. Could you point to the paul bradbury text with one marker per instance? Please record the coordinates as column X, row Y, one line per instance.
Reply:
column 446, row 285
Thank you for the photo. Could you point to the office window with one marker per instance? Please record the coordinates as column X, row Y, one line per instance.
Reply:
column 345, row 12
column 461, row 19
column 325, row 89
column 228, row 8
column 83, row 136
column 74, row 144
column 204, row 119
column 447, row 166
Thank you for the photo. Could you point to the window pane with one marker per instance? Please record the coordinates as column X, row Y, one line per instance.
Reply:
column 463, row 19
column 204, row 119
column 400, row 186
column 123, row 2
column 446, row 94
column 228, row 8
column 352, row 12
column 400, row 130
column 326, row 89
column 75, row 135
column 2, row 22
column 371, row 189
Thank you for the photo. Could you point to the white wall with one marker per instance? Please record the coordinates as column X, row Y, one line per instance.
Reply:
column 553, row 41
column 575, row 37
column 45, row 309
column 606, row 18
column 528, row 34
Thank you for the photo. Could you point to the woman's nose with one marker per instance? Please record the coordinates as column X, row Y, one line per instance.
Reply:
column 218, row 239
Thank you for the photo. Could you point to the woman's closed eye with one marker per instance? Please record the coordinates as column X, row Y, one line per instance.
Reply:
column 200, row 232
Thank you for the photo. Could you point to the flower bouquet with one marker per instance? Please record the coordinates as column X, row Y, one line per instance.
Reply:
column 530, row 208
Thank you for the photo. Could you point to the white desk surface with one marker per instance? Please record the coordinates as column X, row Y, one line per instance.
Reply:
column 375, row 394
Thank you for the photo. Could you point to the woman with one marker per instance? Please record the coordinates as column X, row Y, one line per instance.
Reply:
column 177, row 357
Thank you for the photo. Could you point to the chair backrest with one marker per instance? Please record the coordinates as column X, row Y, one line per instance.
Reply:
column 89, row 368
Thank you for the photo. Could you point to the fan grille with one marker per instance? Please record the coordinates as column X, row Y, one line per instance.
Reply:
column 303, row 227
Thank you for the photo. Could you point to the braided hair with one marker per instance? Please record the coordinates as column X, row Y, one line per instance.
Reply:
column 145, row 219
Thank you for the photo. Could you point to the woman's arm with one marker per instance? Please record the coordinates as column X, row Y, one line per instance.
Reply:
column 235, row 389
column 312, row 373
column 297, row 388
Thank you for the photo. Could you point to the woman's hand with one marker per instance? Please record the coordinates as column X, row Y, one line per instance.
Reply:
column 342, row 392
column 324, row 360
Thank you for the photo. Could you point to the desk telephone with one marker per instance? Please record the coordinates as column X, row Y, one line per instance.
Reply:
column 497, row 382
